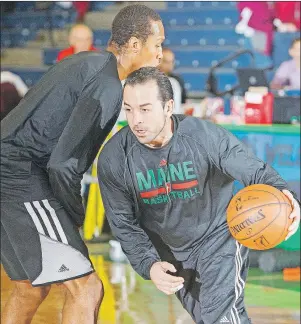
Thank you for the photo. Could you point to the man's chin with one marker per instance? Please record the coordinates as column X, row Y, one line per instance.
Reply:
column 143, row 140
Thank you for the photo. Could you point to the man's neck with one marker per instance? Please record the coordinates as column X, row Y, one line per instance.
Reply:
column 123, row 71
column 164, row 137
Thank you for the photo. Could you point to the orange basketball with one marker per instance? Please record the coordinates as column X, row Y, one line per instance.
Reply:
column 258, row 216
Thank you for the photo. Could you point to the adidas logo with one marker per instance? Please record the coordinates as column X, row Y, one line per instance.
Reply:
column 224, row 320
column 63, row 268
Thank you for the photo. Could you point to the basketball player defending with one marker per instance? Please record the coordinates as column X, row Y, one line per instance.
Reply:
column 47, row 142
column 166, row 181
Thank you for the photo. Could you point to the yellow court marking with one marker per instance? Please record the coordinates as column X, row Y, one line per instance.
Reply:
column 95, row 213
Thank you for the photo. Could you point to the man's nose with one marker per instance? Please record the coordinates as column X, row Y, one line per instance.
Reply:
column 137, row 118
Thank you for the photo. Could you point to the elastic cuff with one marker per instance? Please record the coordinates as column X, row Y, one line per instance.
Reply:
column 146, row 272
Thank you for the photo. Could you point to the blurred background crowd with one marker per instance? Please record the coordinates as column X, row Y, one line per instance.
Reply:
column 263, row 39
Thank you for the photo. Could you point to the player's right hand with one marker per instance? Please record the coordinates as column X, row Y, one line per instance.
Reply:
column 163, row 281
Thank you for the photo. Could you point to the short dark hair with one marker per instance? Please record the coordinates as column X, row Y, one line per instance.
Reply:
column 296, row 40
column 132, row 21
column 146, row 74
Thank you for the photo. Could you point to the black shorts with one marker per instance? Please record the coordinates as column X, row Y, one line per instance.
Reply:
column 213, row 292
column 40, row 243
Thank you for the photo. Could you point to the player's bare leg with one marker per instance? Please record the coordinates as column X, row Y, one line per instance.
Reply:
column 23, row 303
column 83, row 299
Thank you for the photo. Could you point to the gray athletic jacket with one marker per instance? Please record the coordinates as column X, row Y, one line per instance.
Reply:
column 196, row 168
column 57, row 130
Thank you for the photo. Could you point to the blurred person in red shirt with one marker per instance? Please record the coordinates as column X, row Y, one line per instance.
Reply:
column 259, row 23
column 80, row 40
column 288, row 15
column 82, row 8
column 259, row 19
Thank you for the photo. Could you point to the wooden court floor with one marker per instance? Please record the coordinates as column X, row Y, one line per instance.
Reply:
column 132, row 300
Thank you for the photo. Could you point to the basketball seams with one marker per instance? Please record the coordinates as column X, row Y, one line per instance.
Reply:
column 275, row 203
column 265, row 226
column 247, row 190
column 261, row 190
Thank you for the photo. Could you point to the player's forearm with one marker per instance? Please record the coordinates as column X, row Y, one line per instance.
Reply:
column 238, row 161
column 136, row 245
column 143, row 266
column 265, row 174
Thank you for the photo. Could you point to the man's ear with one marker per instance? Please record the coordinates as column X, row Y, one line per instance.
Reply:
column 169, row 106
column 134, row 45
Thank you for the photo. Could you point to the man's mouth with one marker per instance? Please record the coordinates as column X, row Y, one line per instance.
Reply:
column 140, row 132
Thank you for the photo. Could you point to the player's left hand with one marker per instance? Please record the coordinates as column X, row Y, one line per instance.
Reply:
column 295, row 214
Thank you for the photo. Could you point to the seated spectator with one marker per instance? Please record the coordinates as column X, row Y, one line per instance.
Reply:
column 167, row 66
column 288, row 74
column 80, row 40
column 13, row 89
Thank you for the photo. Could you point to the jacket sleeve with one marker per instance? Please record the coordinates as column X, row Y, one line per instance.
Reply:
column 236, row 160
column 120, row 212
column 92, row 119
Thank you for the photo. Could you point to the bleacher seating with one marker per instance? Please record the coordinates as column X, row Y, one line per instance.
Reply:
column 201, row 58
column 201, row 37
column 16, row 38
column 200, row 34
column 205, row 58
column 50, row 55
column 101, row 37
column 184, row 17
column 38, row 20
column 100, row 5
column 22, row 25
column 200, row 4
column 25, row 5
column 195, row 81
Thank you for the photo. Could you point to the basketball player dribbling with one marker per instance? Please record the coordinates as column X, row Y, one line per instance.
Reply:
column 166, row 181
column 47, row 142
